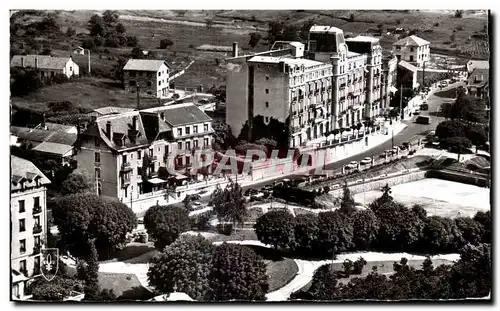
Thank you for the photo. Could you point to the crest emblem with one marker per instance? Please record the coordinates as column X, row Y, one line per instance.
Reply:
column 49, row 263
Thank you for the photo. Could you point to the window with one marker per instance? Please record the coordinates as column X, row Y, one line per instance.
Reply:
column 36, row 202
column 195, row 129
column 97, row 157
column 205, row 142
column 37, row 220
column 195, row 143
column 188, row 160
column 22, row 246
column 37, row 265
column 267, row 78
column 124, row 158
column 188, row 130
column 267, row 91
column 97, row 173
column 37, row 241
column 131, row 74
column 70, row 68
column 398, row 48
column 205, row 127
column 139, row 171
column 22, row 225
column 412, row 49
column 159, row 73
column 22, row 266
column 139, row 154
column 159, row 82
column 179, row 145
column 411, row 58
column 131, row 83
column 179, row 132
column 267, row 104
column 97, row 141
column 188, row 145
column 267, row 119
column 22, row 207
column 151, row 152
column 179, row 161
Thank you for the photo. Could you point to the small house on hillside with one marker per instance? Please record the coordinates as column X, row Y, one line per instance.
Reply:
column 79, row 50
column 150, row 76
column 412, row 49
column 46, row 65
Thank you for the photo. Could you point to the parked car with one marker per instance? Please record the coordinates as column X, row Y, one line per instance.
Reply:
column 352, row 165
column 443, row 83
column 423, row 120
column 140, row 221
column 366, row 160
column 250, row 192
column 196, row 205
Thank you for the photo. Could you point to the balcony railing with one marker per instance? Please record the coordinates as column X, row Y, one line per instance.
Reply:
column 125, row 181
column 37, row 229
column 126, row 166
column 37, row 210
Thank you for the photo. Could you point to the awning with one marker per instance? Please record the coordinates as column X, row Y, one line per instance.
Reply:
column 156, row 181
column 393, row 89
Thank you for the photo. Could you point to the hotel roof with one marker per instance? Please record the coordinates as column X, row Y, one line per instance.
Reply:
column 363, row 39
column 286, row 60
column 412, row 41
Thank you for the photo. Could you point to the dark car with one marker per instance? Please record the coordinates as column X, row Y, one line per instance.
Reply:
column 424, row 107
column 423, row 120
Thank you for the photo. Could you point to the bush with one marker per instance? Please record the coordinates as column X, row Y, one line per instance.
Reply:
column 201, row 221
column 358, row 266
column 165, row 43
column 225, row 229
column 347, row 265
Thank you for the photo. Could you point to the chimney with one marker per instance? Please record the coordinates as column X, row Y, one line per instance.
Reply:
column 235, row 49
column 43, row 122
column 109, row 130
column 282, row 66
column 135, row 126
column 22, row 62
column 36, row 62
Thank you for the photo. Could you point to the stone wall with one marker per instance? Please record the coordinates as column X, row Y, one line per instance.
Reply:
column 377, row 183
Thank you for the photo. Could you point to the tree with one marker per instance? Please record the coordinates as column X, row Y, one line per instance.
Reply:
column 359, row 265
column 183, row 266
column 365, row 228
column 468, row 108
column 335, row 232
column 136, row 53
column 446, row 109
column 70, row 32
column 477, row 135
column 223, row 135
column 347, row 265
column 484, row 219
column 384, row 199
column 95, row 25
column 83, row 217
column 291, row 33
column 110, row 18
column 324, row 285
column 132, row 41
column 229, row 204
column 439, row 235
column 165, row 224
column 306, row 27
column 120, row 28
column 306, row 233
column 166, row 43
column 457, row 144
column 237, row 274
column 472, row 275
column 347, row 204
column 471, row 232
column 275, row 31
column 254, row 39
column 400, row 228
column 276, row 228
column 77, row 182
column 459, row 13
column 55, row 290
column 91, row 276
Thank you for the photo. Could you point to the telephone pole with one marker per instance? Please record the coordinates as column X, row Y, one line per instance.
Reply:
column 401, row 114
column 89, row 62
column 138, row 98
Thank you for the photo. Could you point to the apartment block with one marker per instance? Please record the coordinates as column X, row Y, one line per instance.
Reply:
column 149, row 77
column 28, row 218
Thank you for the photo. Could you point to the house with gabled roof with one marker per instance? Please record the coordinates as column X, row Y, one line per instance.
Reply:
column 148, row 76
column 129, row 153
column 412, row 49
column 478, row 83
column 46, row 65
column 28, row 218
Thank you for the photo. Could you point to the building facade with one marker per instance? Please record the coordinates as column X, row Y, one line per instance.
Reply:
column 389, row 82
column 478, row 83
column 149, row 77
column 128, row 153
column 47, row 66
column 28, row 218
column 412, row 49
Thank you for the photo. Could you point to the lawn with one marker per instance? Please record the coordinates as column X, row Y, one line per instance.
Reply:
column 134, row 253
column 280, row 270
column 254, row 213
column 239, row 235
column 125, row 286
